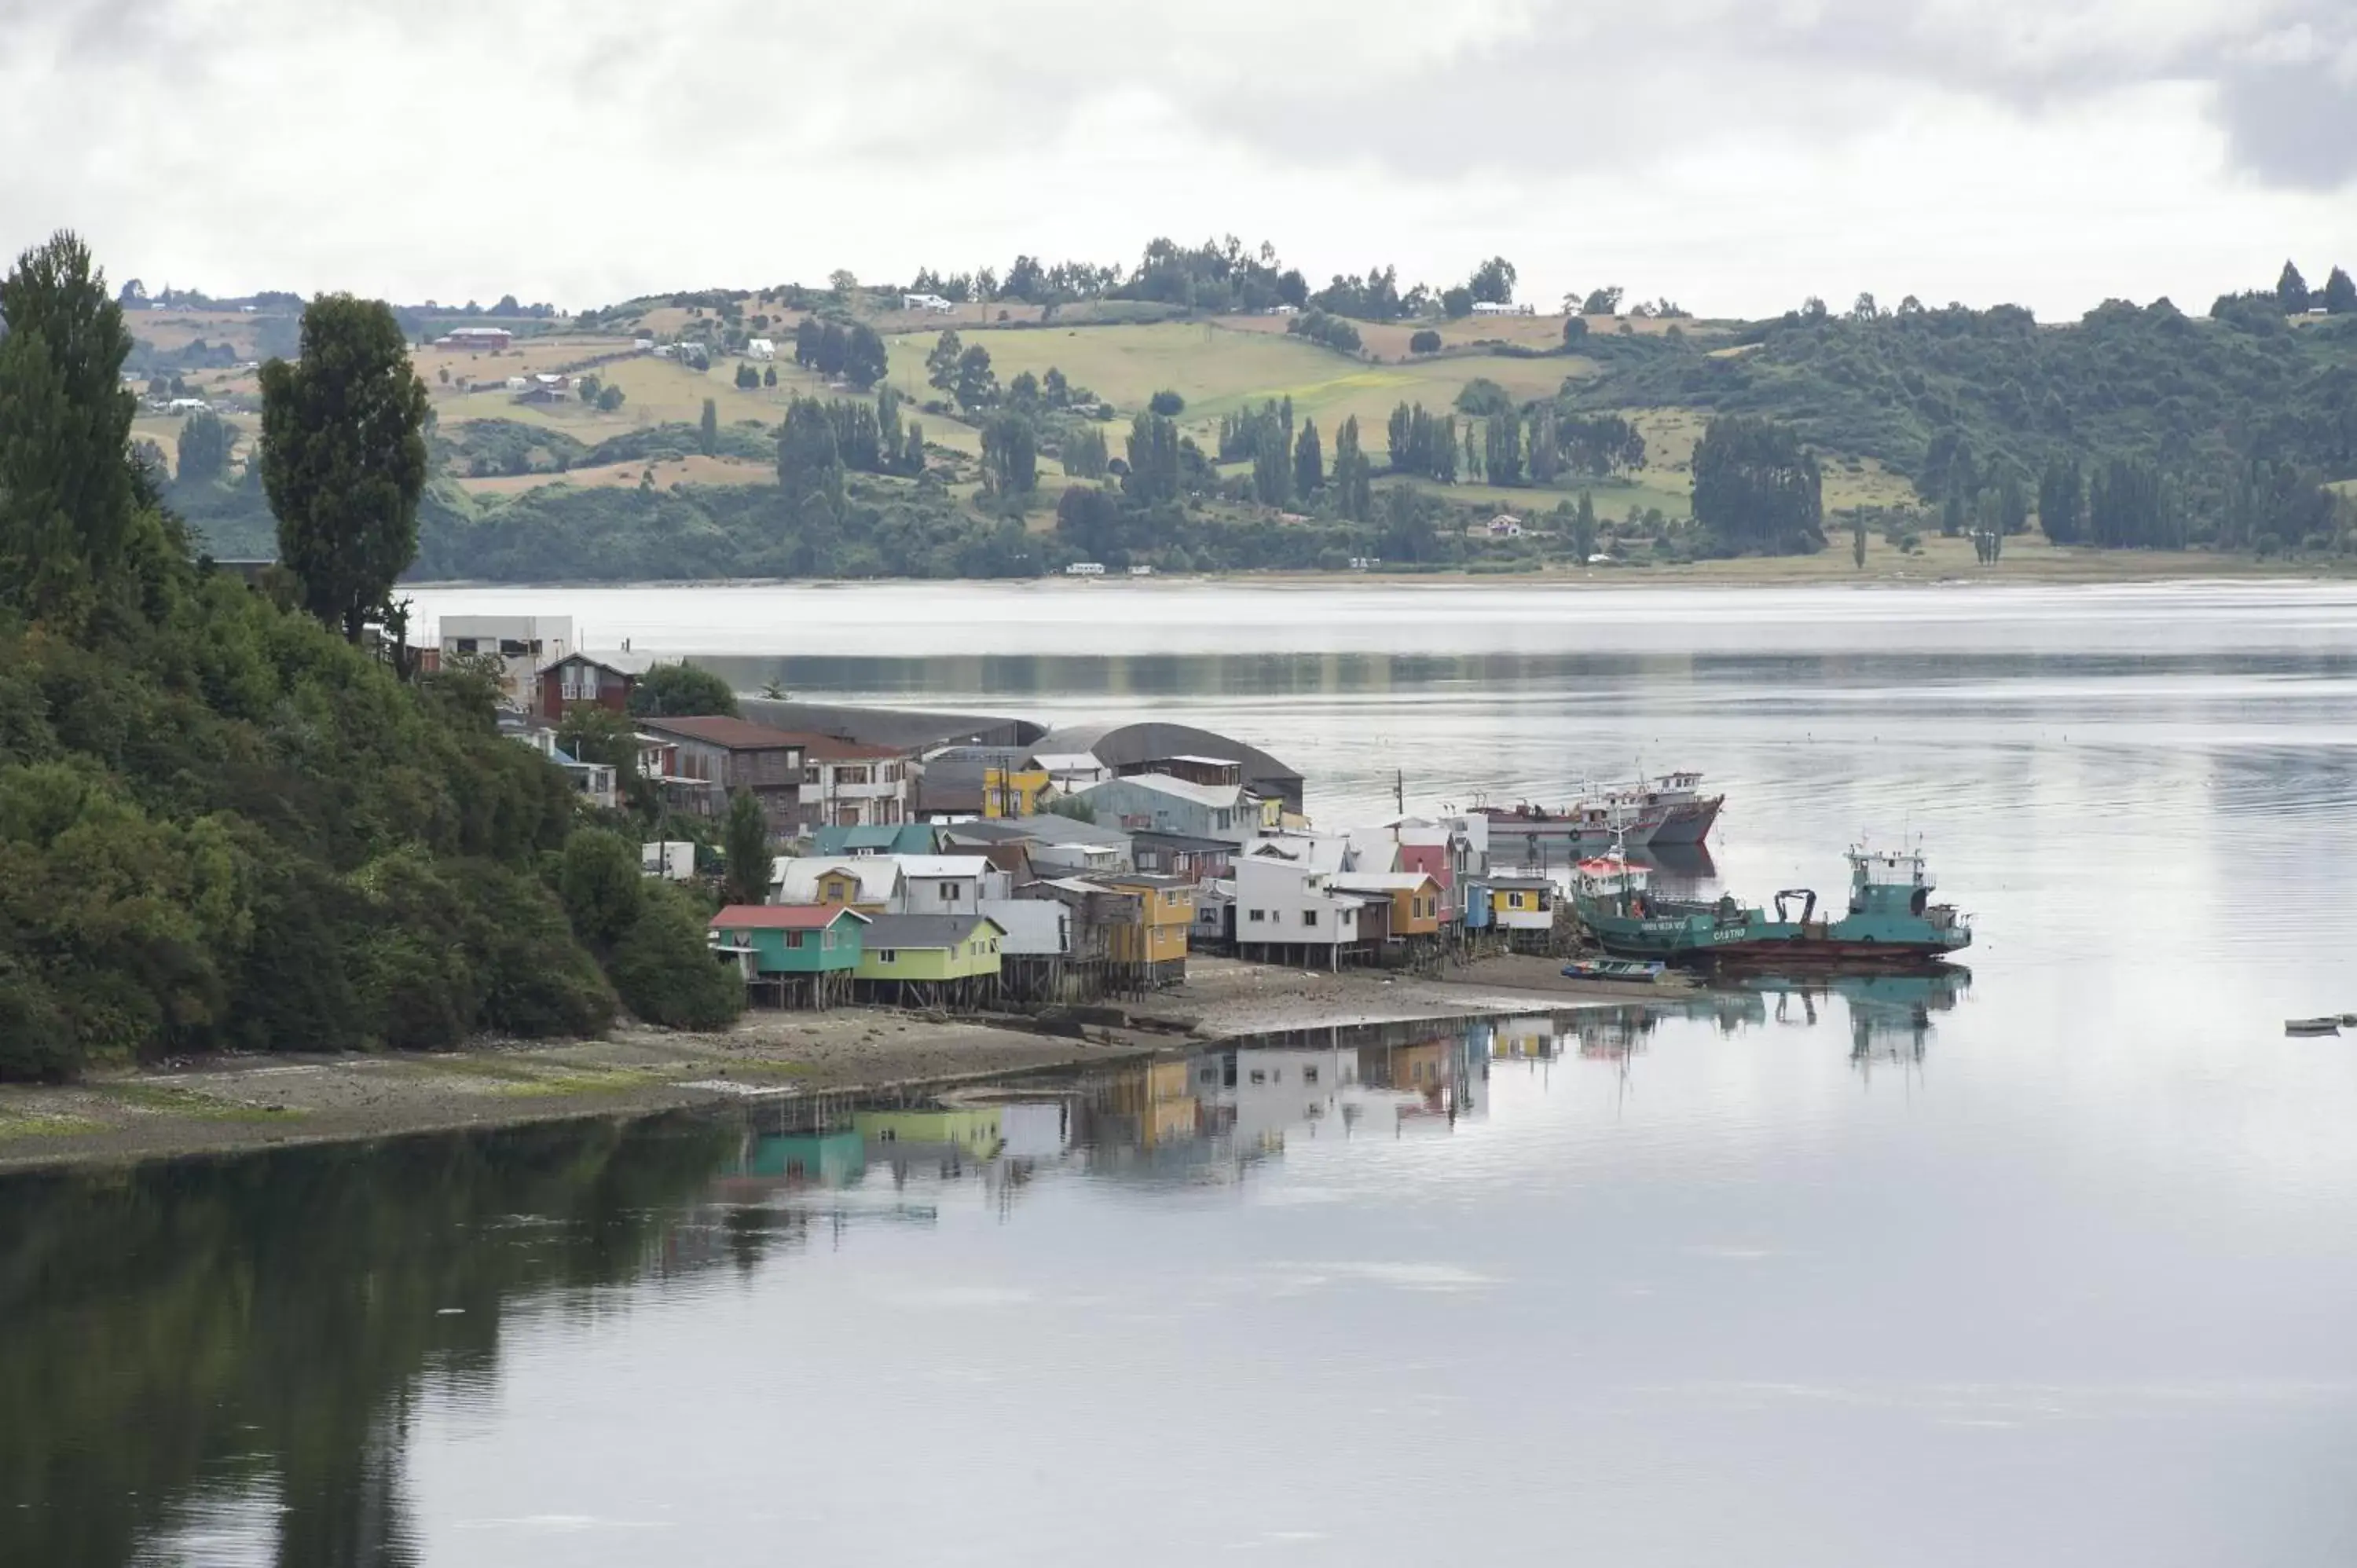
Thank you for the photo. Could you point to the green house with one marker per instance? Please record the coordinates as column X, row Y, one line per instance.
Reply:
column 783, row 940
column 930, row 947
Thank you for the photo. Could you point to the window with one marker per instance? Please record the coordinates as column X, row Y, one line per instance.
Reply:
column 512, row 648
column 793, row 938
column 949, row 892
column 1209, row 1075
column 1308, row 917
column 1513, row 900
column 1258, row 915
column 1224, row 819
column 1310, row 1075
column 888, row 956
column 1258, row 1076
column 462, row 645
column 833, row 892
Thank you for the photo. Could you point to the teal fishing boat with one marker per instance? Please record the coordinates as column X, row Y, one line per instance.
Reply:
column 1890, row 922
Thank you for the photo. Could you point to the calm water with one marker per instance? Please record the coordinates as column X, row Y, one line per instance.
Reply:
column 2053, row 1266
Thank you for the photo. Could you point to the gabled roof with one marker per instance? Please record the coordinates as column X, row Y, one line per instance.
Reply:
column 920, row 866
column 835, row 749
column 796, row 877
column 1219, row 797
column 907, row 838
column 888, row 931
column 1432, row 859
column 1524, row 884
column 1380, row 881
column 1048, row 827
column 783, row 916
column 716, row 729
column 631, row 665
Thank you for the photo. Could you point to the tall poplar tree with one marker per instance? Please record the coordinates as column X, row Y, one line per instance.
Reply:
column 343, row 458
column 66, row 499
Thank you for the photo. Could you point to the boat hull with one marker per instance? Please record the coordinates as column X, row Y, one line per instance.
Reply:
column 1702, row 939
column 1513, row 828
column 1688, row 824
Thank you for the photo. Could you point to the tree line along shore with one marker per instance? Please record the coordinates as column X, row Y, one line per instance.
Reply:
column 1207, row 410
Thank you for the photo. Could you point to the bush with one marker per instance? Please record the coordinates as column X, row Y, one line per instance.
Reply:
column 665, row 970
column 1482, row 397
column 1167, row 403
column 1426, row 341
column 682, row 691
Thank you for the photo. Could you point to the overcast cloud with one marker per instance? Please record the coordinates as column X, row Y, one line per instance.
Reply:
column 1734, row 154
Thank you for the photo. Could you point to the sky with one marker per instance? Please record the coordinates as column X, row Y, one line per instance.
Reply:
column 1734, row 155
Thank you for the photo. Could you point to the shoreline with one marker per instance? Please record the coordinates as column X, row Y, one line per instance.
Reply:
column 2089, row 568
column 248, row 1104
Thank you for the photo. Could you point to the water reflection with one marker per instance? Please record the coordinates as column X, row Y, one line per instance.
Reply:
column 1890, row 1015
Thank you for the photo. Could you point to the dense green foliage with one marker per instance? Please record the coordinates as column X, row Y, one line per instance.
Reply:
column 1757, row 488
column 343, row 457
column 2201, row 415
column 682, row 691
column 221, row 823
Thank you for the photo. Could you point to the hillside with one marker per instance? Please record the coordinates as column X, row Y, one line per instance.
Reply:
column 2226, row 423
column 223, row 825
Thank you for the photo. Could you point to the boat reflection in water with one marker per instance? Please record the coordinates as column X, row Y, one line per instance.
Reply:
column 1889, row 1014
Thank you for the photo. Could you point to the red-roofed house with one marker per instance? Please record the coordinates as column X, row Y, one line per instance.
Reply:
column 737, row 755
column 808, row 950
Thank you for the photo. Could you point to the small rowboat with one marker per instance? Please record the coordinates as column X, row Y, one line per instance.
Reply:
column 2326, row 1026
column 1642, row 970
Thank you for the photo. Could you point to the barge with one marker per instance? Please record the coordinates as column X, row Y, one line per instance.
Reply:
column 1891, row 921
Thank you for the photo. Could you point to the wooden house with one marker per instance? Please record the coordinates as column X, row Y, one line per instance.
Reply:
column 869, row 884
column 930, row 961
column 806, row 954
column 1156, row 943
column 735, row 756
column 1522, row 903
column 1414, row 895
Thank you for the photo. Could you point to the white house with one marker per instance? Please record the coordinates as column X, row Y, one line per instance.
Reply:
column 760, row 348
column 188, row 405
column 947, row 883
column 524, row 643
column 1287, row 909
column 932, row 302
column 847, row 785
column 1034, row 928
column 673, row 860
column 1505, row 525
column 1496, row 308
column 873, row 880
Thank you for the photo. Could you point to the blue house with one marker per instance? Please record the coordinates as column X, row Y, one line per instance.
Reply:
column 904, row 838
column 1158, row 803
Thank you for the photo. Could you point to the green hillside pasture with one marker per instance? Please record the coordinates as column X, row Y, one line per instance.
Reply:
column 1614, row 499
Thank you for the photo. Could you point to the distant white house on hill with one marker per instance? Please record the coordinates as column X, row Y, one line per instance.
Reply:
column 1496, row 308
column 932, row 302
column 760, row 348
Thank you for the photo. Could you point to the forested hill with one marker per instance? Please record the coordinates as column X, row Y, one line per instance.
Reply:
column 225, row 822
column 1961, row 399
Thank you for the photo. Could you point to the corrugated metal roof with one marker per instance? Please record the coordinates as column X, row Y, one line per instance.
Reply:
column 783, row 916
column 716, row 729
column 888, row 931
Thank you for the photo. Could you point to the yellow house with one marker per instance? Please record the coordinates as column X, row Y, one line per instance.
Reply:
column 930, row 949
column 1523, row 903
column 1011, row 792
column 1414, row 897
column 1167, row 911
